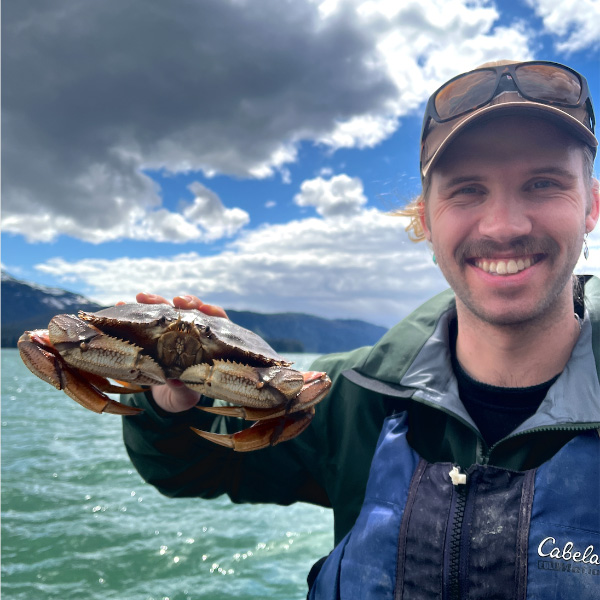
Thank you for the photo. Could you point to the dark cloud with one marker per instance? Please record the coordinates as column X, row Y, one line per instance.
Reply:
column 94, row 91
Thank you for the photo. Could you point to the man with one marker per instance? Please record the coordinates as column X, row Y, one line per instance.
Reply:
column 486, row 401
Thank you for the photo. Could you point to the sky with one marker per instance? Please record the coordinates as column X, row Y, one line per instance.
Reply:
column 245, row 151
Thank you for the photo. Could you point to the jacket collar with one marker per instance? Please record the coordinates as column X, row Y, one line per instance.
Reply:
column 413, row 361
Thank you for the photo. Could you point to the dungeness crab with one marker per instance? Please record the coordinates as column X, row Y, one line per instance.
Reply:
column 143, row 344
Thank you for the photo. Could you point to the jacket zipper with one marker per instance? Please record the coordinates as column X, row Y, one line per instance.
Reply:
column 453, row 548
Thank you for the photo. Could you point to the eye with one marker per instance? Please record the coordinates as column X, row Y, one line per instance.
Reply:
column 467, row 193
column 469, row 189
column 543, row 184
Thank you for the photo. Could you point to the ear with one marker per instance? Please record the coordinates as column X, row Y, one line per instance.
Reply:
column 591, row 218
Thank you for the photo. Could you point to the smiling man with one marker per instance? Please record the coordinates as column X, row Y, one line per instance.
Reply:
column 507, row 212
column 476, row 419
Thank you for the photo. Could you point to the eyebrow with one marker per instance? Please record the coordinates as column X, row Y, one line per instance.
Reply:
column 461, row 179
column 554, row 170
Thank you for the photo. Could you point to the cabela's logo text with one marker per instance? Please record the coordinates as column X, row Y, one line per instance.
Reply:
column 548, row 548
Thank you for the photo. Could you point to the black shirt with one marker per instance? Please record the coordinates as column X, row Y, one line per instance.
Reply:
column 497, row 411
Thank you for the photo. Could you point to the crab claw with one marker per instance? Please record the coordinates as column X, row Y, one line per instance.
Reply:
column 276, row 424
column 259, row 387
column 87, row 348
column 316, row 385
column 43, row 360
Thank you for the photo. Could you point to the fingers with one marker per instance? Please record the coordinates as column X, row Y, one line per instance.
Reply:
column 185, row 302
column 213, row 311
column 188, row 301
column 145, row 298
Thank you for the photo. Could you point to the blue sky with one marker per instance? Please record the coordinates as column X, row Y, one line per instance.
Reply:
column 247, row 152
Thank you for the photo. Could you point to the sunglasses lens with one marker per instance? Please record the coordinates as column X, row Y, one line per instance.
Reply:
column 549, row 83
column 465, row 93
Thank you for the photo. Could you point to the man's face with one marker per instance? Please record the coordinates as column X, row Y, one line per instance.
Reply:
column 507, row 211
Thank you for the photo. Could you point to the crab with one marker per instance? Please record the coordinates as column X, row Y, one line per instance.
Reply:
column 138, row 345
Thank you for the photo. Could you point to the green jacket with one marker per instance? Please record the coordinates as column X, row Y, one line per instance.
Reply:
column 408, row 369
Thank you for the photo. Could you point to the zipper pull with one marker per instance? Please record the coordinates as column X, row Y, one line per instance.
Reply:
column 457, row 477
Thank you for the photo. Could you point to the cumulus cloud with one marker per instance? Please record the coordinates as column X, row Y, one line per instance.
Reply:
column 209, row 213
column 340, row 195
column 573, row 22
column 98, row 94
column 358, row 266
column 204, row 220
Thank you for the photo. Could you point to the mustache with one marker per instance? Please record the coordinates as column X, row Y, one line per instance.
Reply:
column 520, row 246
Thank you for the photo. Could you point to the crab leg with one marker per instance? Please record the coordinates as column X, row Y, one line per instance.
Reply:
column 263, row 433
column 104, row 385
column 43, row 360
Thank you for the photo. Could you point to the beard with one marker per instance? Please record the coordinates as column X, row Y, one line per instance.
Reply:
column 522, row 310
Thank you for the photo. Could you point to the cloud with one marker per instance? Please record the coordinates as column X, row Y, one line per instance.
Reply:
column 208, row 212
column 354, row 266
column 204, row 220
column 98, row 94
column 573, row 22
column 340, row 195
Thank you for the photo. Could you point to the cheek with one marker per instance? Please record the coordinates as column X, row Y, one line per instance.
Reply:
column 562, row 222
column 448, row 228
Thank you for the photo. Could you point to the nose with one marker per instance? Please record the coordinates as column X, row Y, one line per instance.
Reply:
column 504, row 218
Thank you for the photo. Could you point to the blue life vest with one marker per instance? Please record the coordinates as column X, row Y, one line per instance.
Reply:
column 501, row 535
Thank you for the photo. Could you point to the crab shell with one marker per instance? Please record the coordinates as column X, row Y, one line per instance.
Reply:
column 146, row 325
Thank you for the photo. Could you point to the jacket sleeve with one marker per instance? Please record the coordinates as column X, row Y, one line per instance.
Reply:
column 178, row 462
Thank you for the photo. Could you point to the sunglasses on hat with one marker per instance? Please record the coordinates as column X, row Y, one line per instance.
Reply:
column 550, row 88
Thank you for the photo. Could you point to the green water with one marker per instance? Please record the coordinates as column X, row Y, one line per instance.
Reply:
column 79, row 523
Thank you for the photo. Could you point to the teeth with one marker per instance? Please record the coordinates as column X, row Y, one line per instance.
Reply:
column 504, row 267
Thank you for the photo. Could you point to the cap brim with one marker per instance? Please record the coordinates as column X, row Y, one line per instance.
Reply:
column 519, row 107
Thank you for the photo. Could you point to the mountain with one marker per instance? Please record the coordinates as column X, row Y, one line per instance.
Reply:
column 315, row 334
column 28, row 306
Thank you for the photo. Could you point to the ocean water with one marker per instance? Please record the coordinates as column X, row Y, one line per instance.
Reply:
column 78, row 522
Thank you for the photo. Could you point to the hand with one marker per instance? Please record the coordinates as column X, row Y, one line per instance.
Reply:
column 174, row 396
column 185, row 302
